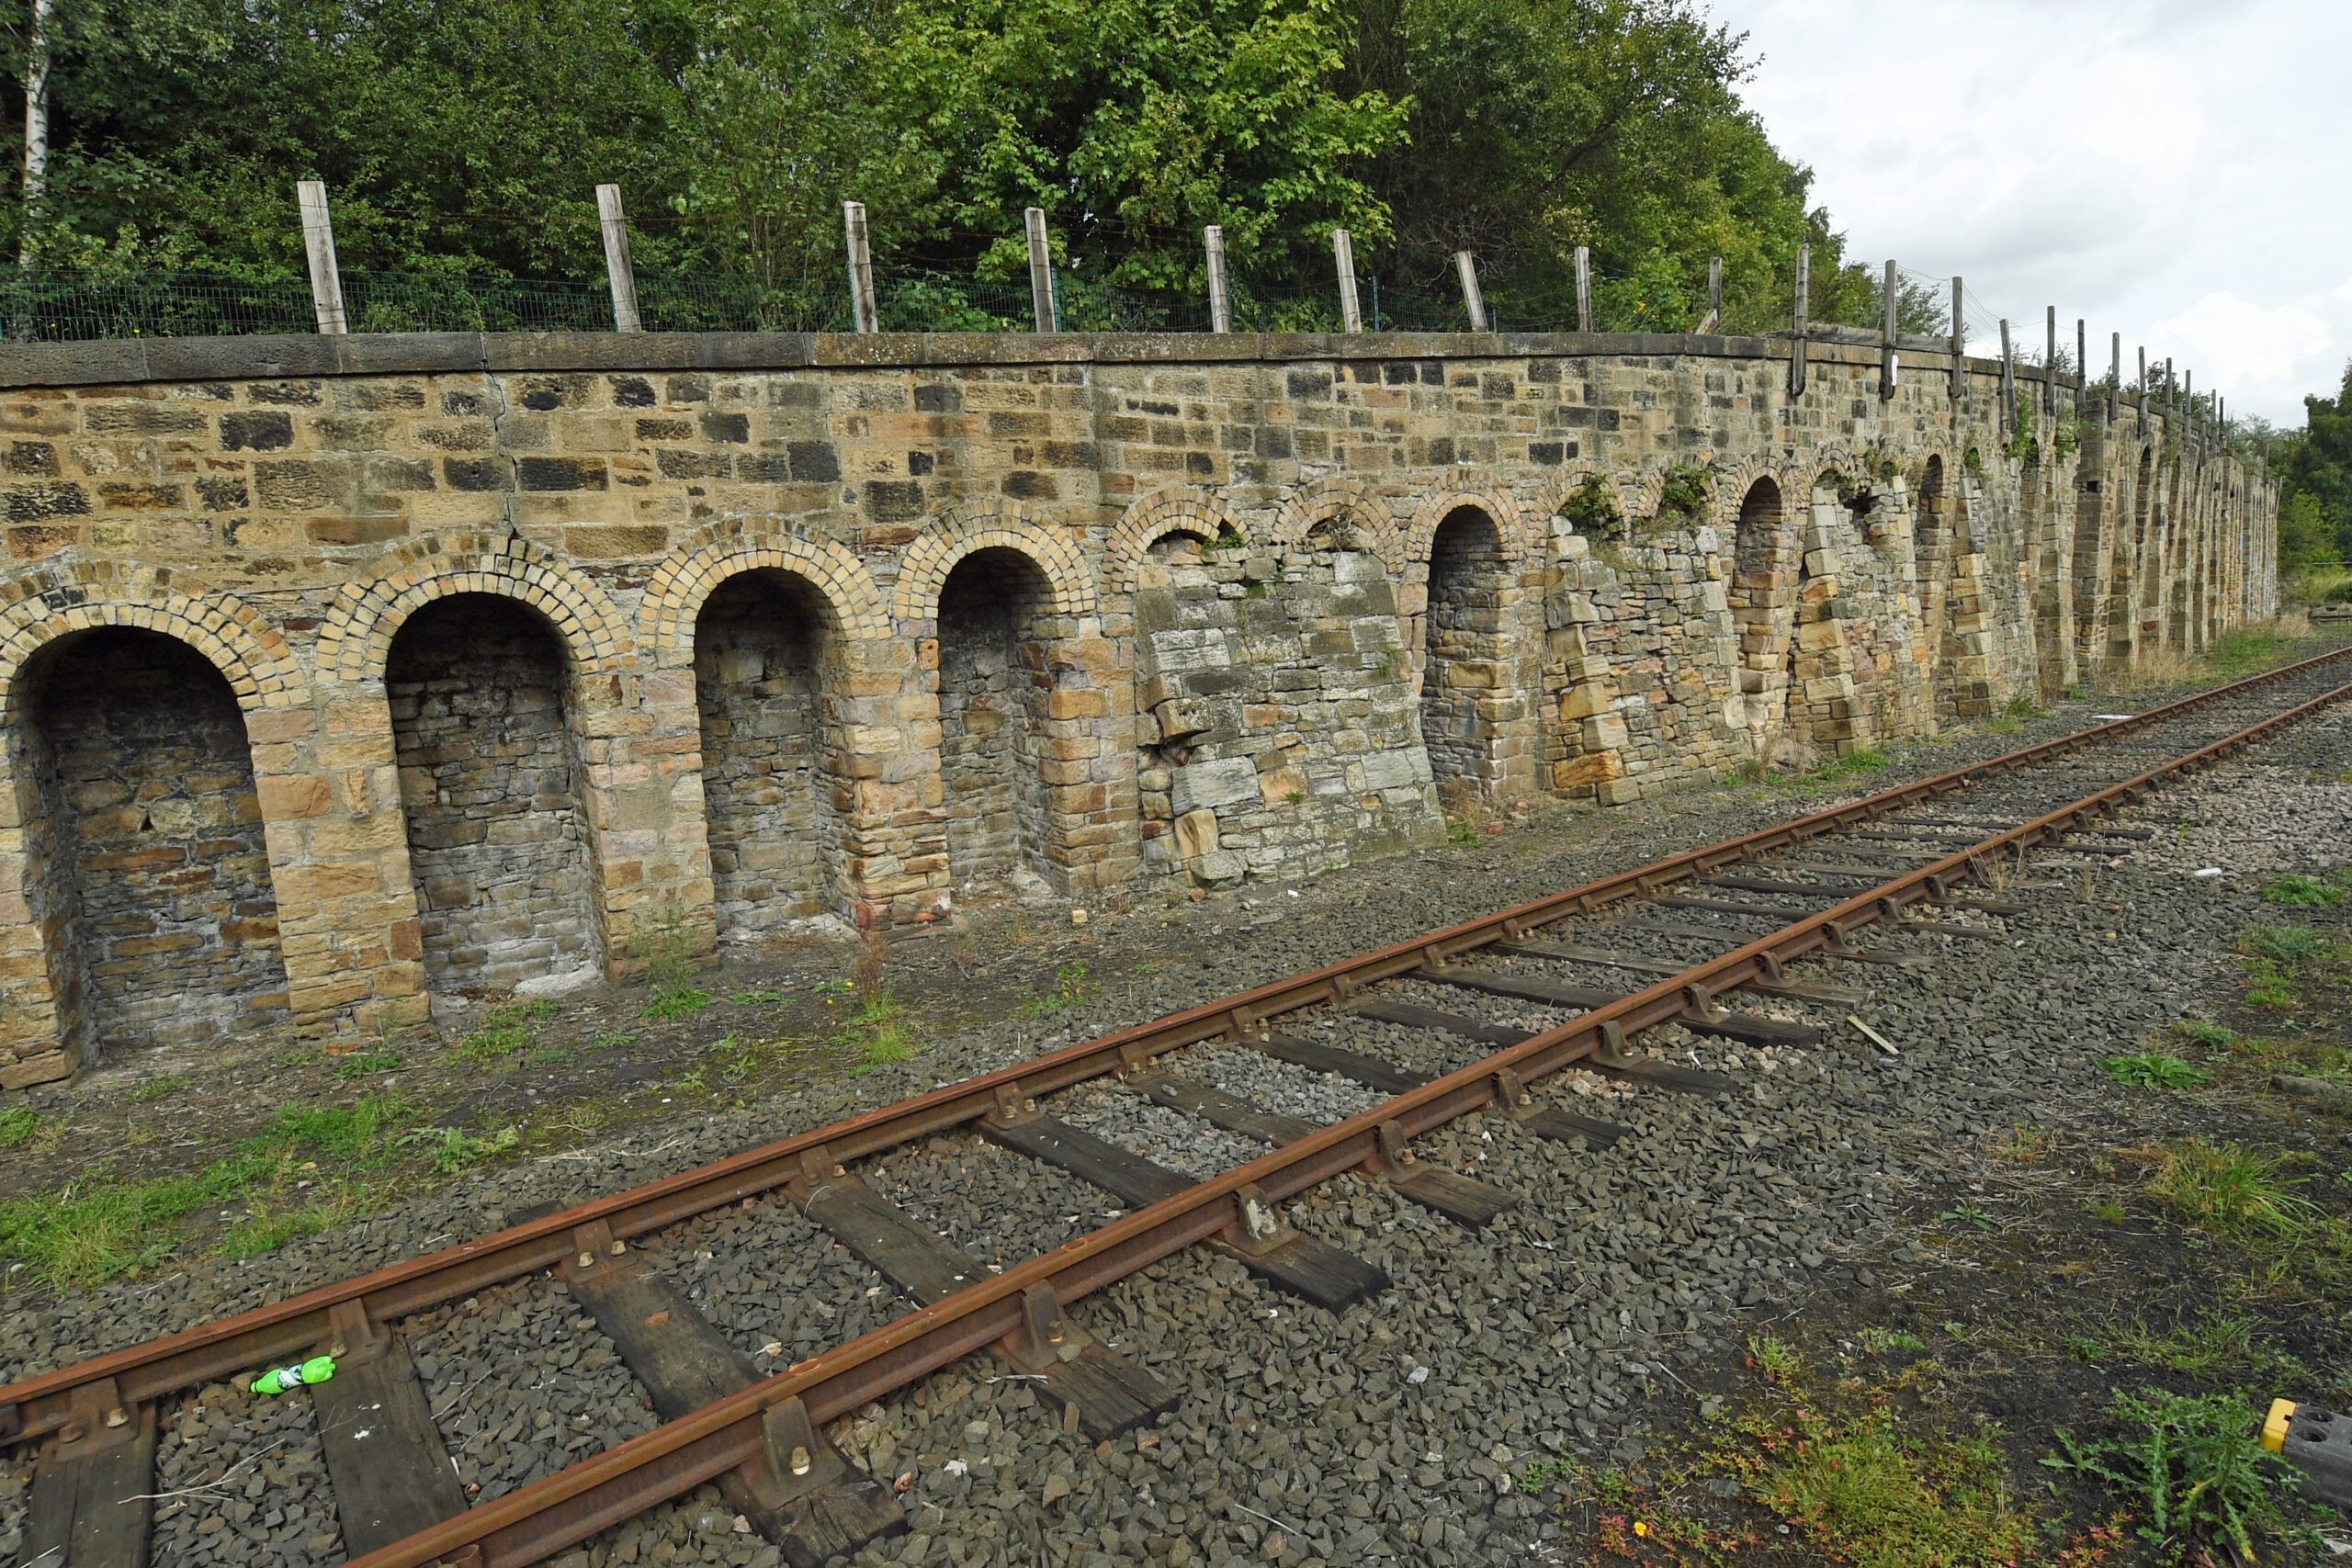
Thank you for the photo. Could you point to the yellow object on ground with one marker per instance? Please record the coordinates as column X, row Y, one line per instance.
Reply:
column 2274, row 1430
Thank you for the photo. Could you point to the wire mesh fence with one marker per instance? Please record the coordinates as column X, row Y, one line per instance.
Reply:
column 57, row 305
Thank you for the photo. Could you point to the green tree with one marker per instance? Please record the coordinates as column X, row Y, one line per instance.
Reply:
column 1133, row 123
column 1542, row 125
column 2314, row 476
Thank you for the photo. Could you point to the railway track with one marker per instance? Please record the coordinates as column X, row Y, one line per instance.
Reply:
column 1594, row 966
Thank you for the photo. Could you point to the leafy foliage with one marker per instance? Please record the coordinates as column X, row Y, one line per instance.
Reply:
column 2151, row 1069
column 2193, row 1463
column 468, row 136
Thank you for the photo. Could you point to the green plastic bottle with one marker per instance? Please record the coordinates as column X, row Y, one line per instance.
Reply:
column 279, row 1380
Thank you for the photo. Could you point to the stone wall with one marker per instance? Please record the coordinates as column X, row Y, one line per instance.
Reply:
column 537, row 642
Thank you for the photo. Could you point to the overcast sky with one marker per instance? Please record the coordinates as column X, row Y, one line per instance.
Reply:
column 2174, row 171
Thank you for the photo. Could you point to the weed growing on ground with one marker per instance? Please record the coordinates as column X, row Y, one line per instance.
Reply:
column 756, row 998
column 2271, row 954
column 2231, row 1192
column 877, row 1031
column 2213, row 1346
column 17, row 1125
column 158, row 1088
column 367, row 1063
column 1864, row 1489
column 2302, row 893
column 2212, row 1036
column 1459, row 831
column 1070, row 989
column 666, row 946
column 2152, row 1069
column 99, row 1228
column 1880, row 1341
column 453, row 1149
column 505, row 1032
column 2191, row 1464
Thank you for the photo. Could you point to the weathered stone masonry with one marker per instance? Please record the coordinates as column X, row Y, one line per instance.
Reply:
column 337, row 672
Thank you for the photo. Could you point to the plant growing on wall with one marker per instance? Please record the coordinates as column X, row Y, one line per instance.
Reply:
column 1685, row 493
column 1593, row 509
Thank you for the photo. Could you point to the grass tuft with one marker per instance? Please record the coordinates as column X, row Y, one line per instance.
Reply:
column 2302, row 893
column 2151, row 1069
column 2233, row 1191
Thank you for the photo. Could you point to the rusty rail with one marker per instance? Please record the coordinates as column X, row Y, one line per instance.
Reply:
column 213, row 1351
column 589, row 1497
column 562, row 1510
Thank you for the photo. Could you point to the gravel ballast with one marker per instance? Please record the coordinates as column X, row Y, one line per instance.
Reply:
column 1384, row 1433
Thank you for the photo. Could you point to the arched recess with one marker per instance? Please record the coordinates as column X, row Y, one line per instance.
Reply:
column 144, row 869
column 769, row 690
column 924, row 569
column 1947, row 605
column 1418, row 541
column 1763, row 592
column 685, row 581
column 481, row 687
column 1475, row 710
column 91, row 651
column 1174, row 509
column 357, row 635
column 995, row 716
column 54, row 601
column 1354, row 505
column 1562, row 497
column 2128, row 566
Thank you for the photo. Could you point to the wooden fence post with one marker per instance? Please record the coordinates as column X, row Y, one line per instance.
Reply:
column 619, row 273
column 1714, row 321
column 1886, row 366
column 860, row 267
column 2050, row 361
column 2009, row 382
column 1959, row 339
column 1796, row 345
column 2115, row 377
column 1343, row 257
column 1220, row 301
column 318, row 244
column 1584, row 289
column 1041, row 273
column 1468, row 270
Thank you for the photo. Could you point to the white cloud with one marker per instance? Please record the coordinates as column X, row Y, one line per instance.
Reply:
column 2161, row 168
column 2242, row 344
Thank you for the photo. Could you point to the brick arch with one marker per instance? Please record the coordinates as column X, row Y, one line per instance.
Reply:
column 54, row 600
column 1420, row 534
column 357, row 638
column 1845, row 465
column 1173, row 509
column 1327, row 498
column 665, row 622
column 1002, row 524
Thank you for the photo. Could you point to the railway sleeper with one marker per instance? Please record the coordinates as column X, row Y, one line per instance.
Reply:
column 1316, row 1272
column 92, row 1500
column 1803, row 990
column 1745, row 1027
column 1101, row 1393
column 800, row 1493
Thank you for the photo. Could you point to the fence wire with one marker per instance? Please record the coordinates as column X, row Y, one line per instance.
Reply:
column 43, row 305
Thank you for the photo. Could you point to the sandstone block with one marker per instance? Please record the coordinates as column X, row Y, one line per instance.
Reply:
column 1229, row 782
